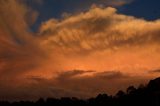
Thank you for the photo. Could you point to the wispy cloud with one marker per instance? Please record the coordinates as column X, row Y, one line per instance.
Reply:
column 17, row 44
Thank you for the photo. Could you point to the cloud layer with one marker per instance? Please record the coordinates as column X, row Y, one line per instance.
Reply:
column 71, row 83
column 99, row 29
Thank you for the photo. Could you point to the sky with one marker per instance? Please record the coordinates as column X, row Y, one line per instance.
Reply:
column 57, row 48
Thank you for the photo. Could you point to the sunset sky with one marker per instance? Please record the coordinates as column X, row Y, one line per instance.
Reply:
column 57, row 48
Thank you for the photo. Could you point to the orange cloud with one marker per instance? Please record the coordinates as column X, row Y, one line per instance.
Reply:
column 102, row 39
column 17, row 44
column 99, row 29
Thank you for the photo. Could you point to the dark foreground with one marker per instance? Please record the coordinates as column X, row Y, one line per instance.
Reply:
column 148, row 95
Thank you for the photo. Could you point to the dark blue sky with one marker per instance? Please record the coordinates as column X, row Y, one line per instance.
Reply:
column 147, row 9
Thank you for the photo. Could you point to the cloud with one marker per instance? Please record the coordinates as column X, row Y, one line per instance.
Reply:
column 77, row 84
column 17, row 44
column 101, row 3
column 154, row 71
column 99, row 29
column 112, row 75
column 115, row 3
column 72, row 74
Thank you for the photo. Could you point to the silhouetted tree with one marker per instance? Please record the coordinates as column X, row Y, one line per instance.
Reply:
column 131, row 89
column 120, row 94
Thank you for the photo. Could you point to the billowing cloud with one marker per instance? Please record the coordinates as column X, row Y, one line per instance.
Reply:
column 99, row 29
column 116, row 41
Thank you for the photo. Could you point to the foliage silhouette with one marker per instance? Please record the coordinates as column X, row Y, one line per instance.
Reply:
column 144, row 95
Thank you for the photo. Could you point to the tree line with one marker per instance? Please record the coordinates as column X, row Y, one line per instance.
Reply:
column 144, row 95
